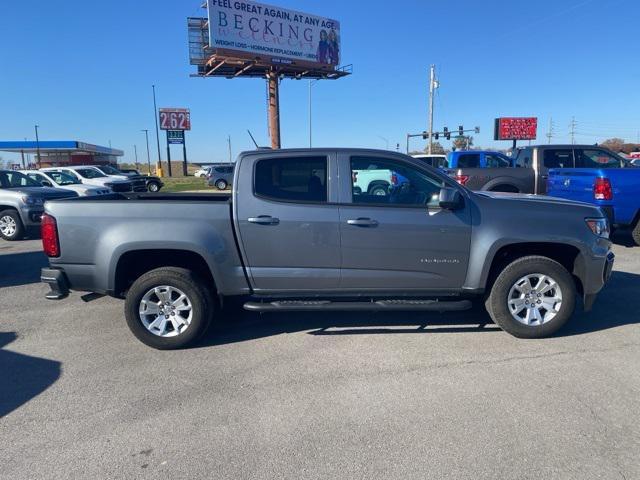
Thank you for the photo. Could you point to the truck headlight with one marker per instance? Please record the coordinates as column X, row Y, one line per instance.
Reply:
column 32, row 201
column 599, row 226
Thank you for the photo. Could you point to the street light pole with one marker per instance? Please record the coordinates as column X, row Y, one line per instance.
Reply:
column 146, row 134
column 135, row 150
column 38, row 146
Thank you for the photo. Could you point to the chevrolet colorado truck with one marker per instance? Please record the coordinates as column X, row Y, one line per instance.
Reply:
column 22, row 203
column 295, row 235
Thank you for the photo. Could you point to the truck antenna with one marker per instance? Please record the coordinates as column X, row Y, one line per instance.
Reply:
column 253, row 139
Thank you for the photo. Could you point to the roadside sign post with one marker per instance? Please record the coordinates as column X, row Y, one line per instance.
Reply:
column 175, row 121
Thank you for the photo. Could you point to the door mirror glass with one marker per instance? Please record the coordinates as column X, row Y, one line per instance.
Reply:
column 450, row 199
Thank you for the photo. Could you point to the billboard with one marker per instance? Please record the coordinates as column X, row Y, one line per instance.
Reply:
column 175, row 119
column 175, row 137
column 516, row 128
column 275, row 34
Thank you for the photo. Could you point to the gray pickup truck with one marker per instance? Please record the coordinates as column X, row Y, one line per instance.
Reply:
column 22, row 203
column 295, row 234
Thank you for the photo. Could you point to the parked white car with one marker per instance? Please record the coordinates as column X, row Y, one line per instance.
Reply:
column 372, row 181
column 202, row 172
column 92, row 176
column 436, row 160
column 65, row 181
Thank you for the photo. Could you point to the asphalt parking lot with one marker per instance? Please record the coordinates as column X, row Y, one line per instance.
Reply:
column 315, row 395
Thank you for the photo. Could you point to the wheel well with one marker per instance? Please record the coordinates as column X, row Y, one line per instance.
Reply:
column 7, row 207
column 377, row 183
column 564, row 254
column 136, row 263
column 503, row 187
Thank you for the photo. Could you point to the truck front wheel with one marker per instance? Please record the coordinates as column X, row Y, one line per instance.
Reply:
column 11, row 227
column 168, row 308
column 532, row 297
column 635, row 233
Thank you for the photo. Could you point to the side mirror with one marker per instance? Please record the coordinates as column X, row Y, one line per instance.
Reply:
column 46, row 183
column 450, row 199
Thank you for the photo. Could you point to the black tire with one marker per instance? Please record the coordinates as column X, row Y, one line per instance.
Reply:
column 379, row 189
column 201, row 299
column 14, row 229
column 497, row 302
column 154, row 187
column 221, row 184
column 635, row 233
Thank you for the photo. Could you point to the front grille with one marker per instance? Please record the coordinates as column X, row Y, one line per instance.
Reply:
column 121, row 187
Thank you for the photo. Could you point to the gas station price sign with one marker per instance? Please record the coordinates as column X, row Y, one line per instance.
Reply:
column 175, row 119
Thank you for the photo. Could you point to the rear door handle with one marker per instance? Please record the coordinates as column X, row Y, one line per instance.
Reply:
column 264, row 220
column 363, row 222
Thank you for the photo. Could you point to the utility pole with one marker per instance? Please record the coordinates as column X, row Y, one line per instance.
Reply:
column 146, row 134
column 135, row 150
column 572, row 127
column 229, row 143
column 310, row 114
column 38, row 146
column 550, row 130
column 274, row 109
column 433, row 84
column 155, row 116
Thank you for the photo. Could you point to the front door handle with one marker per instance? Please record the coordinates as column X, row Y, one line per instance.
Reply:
column 264, row 220
column 363, row 222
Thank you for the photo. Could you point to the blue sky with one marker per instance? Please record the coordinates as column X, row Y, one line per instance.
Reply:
column 83, row 70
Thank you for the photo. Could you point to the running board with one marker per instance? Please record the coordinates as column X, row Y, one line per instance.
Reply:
column 378, row 305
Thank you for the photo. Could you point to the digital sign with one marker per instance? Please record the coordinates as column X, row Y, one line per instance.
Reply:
column 516, row 128
column 175, row 119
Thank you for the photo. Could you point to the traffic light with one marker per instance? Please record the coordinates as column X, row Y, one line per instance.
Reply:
column 447, row 135
column 436, row 135
column 425, row 135
column 460, row 130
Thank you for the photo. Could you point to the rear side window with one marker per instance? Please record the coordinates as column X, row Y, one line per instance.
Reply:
column 558, row 158
column 469, row 160
column 292, row 179
column 595, row 158
column 496, row 161
column 523, row 159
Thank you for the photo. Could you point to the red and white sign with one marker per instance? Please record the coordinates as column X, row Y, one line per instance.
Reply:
column 175, row 119
column 516, row 128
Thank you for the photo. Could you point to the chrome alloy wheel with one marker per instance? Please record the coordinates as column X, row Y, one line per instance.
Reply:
column 8, row 226
column 535, row 299
column 166, row 311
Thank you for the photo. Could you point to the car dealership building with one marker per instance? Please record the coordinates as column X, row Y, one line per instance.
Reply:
column 60, row 153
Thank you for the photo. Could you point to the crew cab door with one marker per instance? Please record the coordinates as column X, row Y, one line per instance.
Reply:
column 548, row 158
column 287, row 219
column 401, row 241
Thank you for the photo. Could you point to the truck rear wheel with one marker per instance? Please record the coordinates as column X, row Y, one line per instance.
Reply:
column 168, row 308
column 533, row 297
column 11, row 227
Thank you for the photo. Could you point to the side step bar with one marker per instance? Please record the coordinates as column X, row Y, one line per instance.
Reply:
column 377, row 306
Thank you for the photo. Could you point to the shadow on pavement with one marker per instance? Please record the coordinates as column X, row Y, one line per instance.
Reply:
column 614, row 307
column 235, row 325
column 22, row 377
column 238, row 325
column 21, row 268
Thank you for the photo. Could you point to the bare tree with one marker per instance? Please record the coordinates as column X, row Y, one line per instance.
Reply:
column 463, row 142
column 613, row 144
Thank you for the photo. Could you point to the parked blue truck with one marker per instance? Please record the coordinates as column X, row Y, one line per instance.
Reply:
column 603, row 181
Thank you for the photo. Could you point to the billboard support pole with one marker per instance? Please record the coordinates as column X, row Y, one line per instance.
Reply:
column 274, row 109
column 168, row 154
column 184, row 153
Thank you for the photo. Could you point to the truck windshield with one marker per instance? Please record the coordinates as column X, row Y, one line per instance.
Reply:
column 16, row 180
column 90, row 173
column 63, row 178
column 109, row 170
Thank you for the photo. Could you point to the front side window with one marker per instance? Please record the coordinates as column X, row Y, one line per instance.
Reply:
column 391, row 182
column 469, row 160
column 558, row 158
column 596, row 158
column 496, row 161
column 62, row 178
column 301, row 179
column 109, row 170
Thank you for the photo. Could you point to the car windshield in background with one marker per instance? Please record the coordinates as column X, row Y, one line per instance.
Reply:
column 63, row 178
column 109, row 170
column 16, row 180
column 90, row 173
